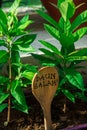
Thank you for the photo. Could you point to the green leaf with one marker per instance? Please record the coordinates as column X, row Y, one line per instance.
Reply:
column 44, row 59
column 3, row 56
column 26, row 48
column 53, row 31
column 24, row 19
column 67, row 9
column 79, row 33
column 3, row 27
column 15, row 5
column 69, row 95
column 75, row 78
column 65, row 26
column 67, row 40
column 48, row 19
column 3, row 97
column 15, row 56
column 81, row 18
column 23, row 108
column 23, row 26
column 79, row 52
column 59, row 2
column 47, row 52
column 3, row 80
column 3, row 106
column 28, row 75
column 24, row 22
column 24, row 39
column 2, row 42
column 51, row 47
column 17, row 93
column 3, row 16
column 76, row 58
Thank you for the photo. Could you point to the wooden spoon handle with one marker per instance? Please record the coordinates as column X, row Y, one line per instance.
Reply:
column 47, row 117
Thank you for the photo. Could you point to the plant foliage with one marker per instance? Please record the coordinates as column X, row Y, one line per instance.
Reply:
column 68, row 57
column 14, row 38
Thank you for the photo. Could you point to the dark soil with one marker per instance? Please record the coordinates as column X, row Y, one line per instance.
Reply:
column 75, row 114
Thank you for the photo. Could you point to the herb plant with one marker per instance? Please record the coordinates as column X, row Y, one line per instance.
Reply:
column 14, row 38
column 67, row 58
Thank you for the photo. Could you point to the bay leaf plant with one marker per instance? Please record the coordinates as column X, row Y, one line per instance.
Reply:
column 67, row 58
column 14, row 38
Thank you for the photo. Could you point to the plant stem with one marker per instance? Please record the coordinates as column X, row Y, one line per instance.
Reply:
column 64, row 106
column 10, row 84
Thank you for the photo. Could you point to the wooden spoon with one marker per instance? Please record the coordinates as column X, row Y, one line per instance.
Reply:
column 44, row 86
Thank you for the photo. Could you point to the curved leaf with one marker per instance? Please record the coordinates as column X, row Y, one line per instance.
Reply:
column 53, row 31
column 24, row 39
column 67, row 9
column 3, row 56
column 76, row 58
column 79, row 52
column 17, row 93
column 79, row 33
column 28, row 75
column 26, row 48
column 3, row 106
column 48, row 19
column 3, row 16
column 69, row 95
column 3, row 97
column 75, row 78
column 51, row 47
column 81, row 18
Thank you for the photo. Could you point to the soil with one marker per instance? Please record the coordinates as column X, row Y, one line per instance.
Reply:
column 75, row 114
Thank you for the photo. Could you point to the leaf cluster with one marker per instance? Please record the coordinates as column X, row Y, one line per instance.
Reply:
column 14, row 38
column 67, row 58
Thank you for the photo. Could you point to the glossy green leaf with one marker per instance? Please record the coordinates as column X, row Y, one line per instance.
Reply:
column 79, row 33
column 53, row 31
column 69, row 95
column 51, row 47
column 65, row 26
column 24, row 19
column 15, row 56
column 13, row 8
column 2, row 43
column 81, row 18
column 3, row 97
column 24, row 39
column 48, row 19
column 76, row 58
column 3, row 16
column 3, row 27
column 59, row 2
column 28, row 75
column 67, row 40
column 44, row 59
column 79, row 52
column 26, row 24
column 23, row 108
column 75, row 78
column 26, row 48
column 3, row 106
column 3, row 56
column 47, row 52
column 17, row 92
column 67, row 9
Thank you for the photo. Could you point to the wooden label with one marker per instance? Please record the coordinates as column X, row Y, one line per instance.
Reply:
column 45, row 83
